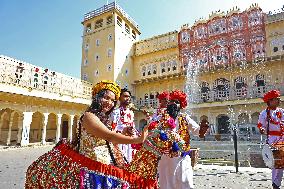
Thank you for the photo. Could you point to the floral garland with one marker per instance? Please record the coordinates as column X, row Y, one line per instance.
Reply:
column 165, row 137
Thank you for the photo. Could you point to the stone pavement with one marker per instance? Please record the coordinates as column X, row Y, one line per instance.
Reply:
column 212, row 176
column 15, row 161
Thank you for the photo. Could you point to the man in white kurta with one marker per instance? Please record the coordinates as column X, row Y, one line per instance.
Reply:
column 177, row 172
column 123, row 122
column 274, row 117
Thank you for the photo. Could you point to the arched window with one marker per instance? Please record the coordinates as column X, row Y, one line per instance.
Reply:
column 221, row 88
column 174, row 65
column 163, row 67
column 149, row 69
column 143, row 71
column 204, row 91
column 154, row 68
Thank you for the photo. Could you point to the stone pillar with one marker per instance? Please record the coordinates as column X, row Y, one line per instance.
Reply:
column 58, row 128
column 28, row 117
column 44, row 125
column 11, row 120
column 250, row 119
column 2, row 122
column 20, row 128
column 70, row 126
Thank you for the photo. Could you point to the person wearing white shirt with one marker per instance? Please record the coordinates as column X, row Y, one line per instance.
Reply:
column 271, row 123
column 123, row 122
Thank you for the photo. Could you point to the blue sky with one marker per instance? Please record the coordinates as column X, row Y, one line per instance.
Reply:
column 48, row 33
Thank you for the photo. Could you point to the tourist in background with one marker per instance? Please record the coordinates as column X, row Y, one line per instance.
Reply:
column 123, row 122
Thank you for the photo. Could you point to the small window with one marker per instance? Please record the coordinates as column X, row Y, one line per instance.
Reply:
column 283, row 47
column 109, row 67
column 127, row 29
column 126, row 72
column 110, row 37
column 88, row 28
column 99, row 24
column 126, row 85
column 109, row 20
column 119, row 21
column 109, row 52
column 143, row 71
column 118, row 82
column 85, row 77
column 97, row 42
column 133, row 34
column 96, row 73
column 97, row 57
column 149, row 69
column 85, row 62
column 275, row 49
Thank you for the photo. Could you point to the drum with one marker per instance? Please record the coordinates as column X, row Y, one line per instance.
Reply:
column 194, row 155
column 273, row 156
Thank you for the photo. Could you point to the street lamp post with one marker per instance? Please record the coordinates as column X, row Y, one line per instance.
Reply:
column 236, row 147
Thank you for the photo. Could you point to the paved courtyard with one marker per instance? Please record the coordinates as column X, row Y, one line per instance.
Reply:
column 14, row 163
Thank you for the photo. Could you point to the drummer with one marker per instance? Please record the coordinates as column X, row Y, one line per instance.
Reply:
column 271, row 122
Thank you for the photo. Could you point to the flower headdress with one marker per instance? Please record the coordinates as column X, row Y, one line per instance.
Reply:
column 107, row 85
column 270, row 95
column 163, row 95
column 180, row 96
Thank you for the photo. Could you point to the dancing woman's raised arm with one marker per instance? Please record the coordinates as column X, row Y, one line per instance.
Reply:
column 95, row 127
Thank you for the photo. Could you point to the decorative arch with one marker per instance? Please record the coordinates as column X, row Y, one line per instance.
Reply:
column 221, row 86
column 64, row 125
column 36, row 127
column 51, row 128
column 243, row 118
column 254, row 118
column 223, row 124
column 142, row 124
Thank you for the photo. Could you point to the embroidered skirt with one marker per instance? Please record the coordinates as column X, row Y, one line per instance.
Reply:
column 64, row 168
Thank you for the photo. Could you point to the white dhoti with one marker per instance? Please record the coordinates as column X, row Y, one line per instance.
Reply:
column 175, row 173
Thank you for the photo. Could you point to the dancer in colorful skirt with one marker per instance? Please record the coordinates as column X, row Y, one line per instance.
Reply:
column 94, row 159
column 271, row 123
column 177, row 172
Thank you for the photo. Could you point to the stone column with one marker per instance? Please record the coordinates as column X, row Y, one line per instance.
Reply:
column 58, row 128
column 20, row 128
column 28, row 116
column 70, row 126
column 11, row 120
column 44, row 125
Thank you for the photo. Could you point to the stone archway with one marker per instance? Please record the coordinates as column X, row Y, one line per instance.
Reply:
column 4, row 125
column 74, row 126
column 51, row 128
column 223, row 124
column 36, row 127
column 142, row 124
column 64, row 126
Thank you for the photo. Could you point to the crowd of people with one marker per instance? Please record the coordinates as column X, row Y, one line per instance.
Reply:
column 109, row 152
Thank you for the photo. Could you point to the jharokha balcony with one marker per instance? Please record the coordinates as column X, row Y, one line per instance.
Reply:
column 248, row 93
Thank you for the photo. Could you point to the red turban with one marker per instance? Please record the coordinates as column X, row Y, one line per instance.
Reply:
column 270, row 95
column 163, row 95
column 180, row 96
